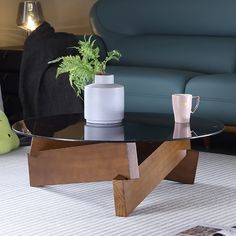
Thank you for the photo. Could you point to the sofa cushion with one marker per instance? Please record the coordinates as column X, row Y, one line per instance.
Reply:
column 177, row 34
column 194, row 53
column 218, row 97
column 170, row 17
column 150, row 89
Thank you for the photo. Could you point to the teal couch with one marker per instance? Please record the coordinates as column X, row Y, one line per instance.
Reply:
column 172, row 46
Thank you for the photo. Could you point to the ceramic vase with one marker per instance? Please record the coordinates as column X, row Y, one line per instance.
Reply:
column 104, row 101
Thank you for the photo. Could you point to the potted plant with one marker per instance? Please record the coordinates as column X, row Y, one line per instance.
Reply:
column 103, row 100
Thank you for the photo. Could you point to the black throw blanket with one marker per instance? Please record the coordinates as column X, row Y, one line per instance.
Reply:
column 40, row 92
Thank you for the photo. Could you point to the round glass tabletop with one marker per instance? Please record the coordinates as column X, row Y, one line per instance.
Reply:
column 136, row 127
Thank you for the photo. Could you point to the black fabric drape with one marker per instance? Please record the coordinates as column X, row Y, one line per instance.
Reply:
column 41, row 94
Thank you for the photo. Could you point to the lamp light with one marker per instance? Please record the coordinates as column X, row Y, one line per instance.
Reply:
column 30, row 15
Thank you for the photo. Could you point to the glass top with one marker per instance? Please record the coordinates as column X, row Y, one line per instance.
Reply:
column 136, row 127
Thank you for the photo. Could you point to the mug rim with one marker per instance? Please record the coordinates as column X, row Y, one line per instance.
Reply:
column 182, row 94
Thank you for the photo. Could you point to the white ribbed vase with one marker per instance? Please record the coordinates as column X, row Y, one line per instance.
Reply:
column 104, row 101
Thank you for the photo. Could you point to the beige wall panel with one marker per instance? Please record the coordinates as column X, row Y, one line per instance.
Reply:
column 68, row 15
column 65, row 15
column 10, row 34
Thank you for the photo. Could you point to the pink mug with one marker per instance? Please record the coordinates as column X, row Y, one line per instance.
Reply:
column 182, row 107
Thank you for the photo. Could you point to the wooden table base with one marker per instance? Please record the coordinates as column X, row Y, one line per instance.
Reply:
column 136, row 169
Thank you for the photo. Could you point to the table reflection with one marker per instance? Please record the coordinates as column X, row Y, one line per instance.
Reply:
column 103, row 132
column 183, row 131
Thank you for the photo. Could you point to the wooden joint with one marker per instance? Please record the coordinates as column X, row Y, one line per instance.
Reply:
column 230, row 129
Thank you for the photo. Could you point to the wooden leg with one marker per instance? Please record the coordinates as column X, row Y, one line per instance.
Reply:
column 230, row 129
column 59, row 162
column 206, row 142
column 133, row 160
column 129, row 193
column 185, row 171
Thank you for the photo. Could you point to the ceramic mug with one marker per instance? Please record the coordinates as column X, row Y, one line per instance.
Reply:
column 182, row 107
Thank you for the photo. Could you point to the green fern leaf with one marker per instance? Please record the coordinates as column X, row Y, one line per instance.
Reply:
column 83, row 67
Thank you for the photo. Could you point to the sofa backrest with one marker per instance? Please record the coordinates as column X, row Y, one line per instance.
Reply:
column 197, row 35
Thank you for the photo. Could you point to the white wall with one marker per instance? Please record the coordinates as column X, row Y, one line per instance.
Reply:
column 65, row 15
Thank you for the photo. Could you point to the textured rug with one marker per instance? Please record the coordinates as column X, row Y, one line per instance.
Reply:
column 87, row 209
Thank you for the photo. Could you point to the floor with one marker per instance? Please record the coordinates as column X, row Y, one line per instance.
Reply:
column 87, row 209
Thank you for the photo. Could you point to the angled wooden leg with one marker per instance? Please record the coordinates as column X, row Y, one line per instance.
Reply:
column 133, row 160
column 206, row 142
column 185, row 171
column 128, row 193
column 60, row 162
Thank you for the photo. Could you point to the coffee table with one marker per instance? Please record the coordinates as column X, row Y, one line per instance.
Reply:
column 136, row 155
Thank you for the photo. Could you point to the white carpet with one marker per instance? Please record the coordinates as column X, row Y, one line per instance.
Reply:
column 87, row 209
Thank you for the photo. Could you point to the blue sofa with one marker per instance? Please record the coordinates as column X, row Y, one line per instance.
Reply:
column 172, row 46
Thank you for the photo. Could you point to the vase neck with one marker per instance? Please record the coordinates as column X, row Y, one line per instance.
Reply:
column 104, row 79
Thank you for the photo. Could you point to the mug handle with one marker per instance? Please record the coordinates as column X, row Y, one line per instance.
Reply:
column 197, row 103
column 194, row 133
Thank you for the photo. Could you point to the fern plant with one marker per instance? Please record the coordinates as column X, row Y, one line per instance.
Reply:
column 83, row 67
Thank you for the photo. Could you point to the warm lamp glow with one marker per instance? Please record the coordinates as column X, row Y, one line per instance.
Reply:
column 30, row 15
column 30, row 24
